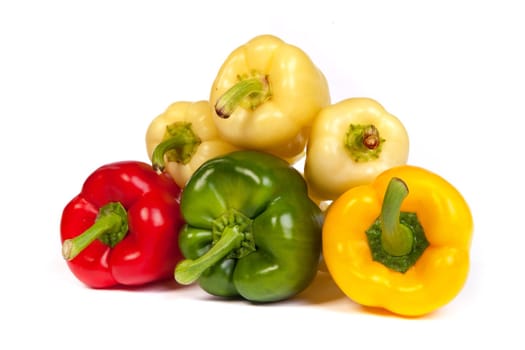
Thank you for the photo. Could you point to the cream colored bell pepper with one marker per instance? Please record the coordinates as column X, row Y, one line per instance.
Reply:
column 351, row 143
column 182, row 138
column 266, row 95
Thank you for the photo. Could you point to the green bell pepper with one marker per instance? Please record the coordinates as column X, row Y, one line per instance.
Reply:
column 251, row 230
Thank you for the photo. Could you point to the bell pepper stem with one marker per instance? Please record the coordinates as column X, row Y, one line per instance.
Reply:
column 397, row 239
column 188, row 271
column 110, row 227
column 248, row 93
column 363, row 142
column 179, row 144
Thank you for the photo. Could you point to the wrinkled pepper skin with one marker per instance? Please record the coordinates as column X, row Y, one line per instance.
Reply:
column 276, row 115
column 151, row 220
column 437, row 276
column 276, row 212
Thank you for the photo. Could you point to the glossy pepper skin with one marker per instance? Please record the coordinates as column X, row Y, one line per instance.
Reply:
column 351, row 143
column 129, row 206
column 440, row 271
column 251, row 230
column 266, row 95
column 183, row 137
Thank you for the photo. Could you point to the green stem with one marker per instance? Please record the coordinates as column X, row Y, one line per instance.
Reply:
column 188, row 271
column 179, row 145
column 110, row 227
column 248, row 93
column 363, row 142
column 397, row 239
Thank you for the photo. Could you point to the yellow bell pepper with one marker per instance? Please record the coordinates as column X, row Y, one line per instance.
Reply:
column 183, row 137
column 400, row 243
column 266, row 95
column 352, row 142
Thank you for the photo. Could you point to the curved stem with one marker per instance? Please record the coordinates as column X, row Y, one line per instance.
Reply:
column 396, row 238
column 188, row 271
column 179, row 145
column 110, row 227
column 248, row 93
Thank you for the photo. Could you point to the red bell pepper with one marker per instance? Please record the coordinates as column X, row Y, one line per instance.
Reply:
column 122, row 229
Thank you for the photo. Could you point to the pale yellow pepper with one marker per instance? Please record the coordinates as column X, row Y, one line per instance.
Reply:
column 266, row 95
column 182, row 138
column 352, row 142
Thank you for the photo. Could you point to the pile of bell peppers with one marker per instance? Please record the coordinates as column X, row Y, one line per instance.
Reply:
column 222, row 204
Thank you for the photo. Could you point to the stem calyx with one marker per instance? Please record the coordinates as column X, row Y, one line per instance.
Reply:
column 232, row 237
column 363, row 142
column 110, row 227
column 249, row 92
column 179, row 144
column 396, row 239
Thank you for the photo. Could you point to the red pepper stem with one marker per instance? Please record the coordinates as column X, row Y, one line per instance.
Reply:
column 188, row 271
column 248, row 93
column 110, row 227
column 397, row 239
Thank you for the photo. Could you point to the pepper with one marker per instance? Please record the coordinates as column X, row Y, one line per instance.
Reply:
column 251, row 230
column 400, row 243
column 122, row 228
column 182, row 138
column 351, row 143
column 266, row 95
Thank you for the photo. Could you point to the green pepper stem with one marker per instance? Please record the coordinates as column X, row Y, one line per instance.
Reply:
column 180, row 140
column 396, row 238
column 110, row 227
column 188, row 271
column 248, row 93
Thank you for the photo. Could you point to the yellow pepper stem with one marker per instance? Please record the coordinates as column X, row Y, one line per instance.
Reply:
column 179, row 145
column 363, row 142
column 397, row 239
column 248, row 93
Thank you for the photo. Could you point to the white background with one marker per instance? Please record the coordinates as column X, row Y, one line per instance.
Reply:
column 80, row 82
